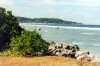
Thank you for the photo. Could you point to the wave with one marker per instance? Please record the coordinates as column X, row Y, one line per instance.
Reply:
column 96, row 45
column 45, row 31
column 87, row 33
column 63, row 27
column 78, row 43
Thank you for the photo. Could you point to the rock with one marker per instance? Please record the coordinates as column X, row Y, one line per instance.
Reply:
column 51, row 48
column 85, row 55
column 75, row 47
column 58, row 54
column 62, row 49
column 95, row 59
column 73, row 51
column 80, row 57
column 81, row 53
column 64, row 45
column 67, row 47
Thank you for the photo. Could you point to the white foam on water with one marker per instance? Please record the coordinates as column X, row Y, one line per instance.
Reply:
column 87, row 33
column 64, row 27
column 45, row 31
column 96, row 45
column 78, row 43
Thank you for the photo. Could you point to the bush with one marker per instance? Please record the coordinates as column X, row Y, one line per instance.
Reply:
column 9, row 27
column 29, row 43
column 17, row 41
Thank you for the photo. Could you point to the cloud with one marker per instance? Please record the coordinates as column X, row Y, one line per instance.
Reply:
column 17, row 11
column 75, row 10
column 7, row 3
column 92, row 3
column 22, row 11
column 89, row 3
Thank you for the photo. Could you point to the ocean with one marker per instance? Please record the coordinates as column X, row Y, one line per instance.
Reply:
column 87, row 37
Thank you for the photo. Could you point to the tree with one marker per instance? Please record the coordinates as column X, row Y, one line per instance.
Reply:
column 18, row 41
column 9, row 27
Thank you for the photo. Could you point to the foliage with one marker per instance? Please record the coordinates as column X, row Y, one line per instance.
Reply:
column 16, row 40
column 9, row 27
column 29, row 43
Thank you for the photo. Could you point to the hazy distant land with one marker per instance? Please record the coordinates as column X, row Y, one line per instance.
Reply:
column 44, row 20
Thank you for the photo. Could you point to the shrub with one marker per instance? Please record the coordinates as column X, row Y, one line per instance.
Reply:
column 29, row 43
column 16, row 40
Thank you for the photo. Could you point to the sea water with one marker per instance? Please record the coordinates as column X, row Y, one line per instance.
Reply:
column 87, row 37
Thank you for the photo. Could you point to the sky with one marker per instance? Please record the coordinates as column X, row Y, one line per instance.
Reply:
column 84, row 11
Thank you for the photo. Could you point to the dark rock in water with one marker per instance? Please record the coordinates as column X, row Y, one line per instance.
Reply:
column 57, row 27
column 39, row 29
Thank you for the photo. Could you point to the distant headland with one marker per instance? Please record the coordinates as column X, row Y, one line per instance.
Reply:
column 44, row 20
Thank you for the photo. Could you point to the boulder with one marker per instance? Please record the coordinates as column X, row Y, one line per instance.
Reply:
column 81, row 53
column 58, row 54
column 62, row 49
column 73, row 51
column 85, row 55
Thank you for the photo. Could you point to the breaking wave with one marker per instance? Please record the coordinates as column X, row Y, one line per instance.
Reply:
column 63, row 27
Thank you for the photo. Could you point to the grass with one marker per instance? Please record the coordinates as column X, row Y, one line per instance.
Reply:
column 41, row 61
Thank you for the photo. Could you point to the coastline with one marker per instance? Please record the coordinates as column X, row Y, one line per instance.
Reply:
column 26, row 44
column 51, row 33
column 46, row 23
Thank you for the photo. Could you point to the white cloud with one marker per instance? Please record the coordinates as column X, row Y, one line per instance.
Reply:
column 7, row 4
column 74, row 2
column 18, row 11
column 41, row 3
column 33, row 8
column 22, row 11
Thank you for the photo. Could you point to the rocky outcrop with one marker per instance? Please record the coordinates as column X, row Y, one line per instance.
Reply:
column 72, row 51
column 85, row 55
column 63, row 49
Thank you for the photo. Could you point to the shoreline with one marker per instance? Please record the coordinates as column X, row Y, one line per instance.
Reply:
column 80, row 43
column 49, row 23
column 61, row 49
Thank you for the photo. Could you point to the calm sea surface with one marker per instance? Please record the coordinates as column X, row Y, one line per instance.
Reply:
column 87, row 37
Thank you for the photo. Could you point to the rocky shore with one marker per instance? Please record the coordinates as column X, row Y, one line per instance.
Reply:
column 72, row 51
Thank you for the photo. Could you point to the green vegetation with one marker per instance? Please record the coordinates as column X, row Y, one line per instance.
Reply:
column 9, row 28
column 44, row 20
column 29, row 43
column 17, row 41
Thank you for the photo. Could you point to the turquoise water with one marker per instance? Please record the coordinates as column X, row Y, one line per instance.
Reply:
column 86, row 38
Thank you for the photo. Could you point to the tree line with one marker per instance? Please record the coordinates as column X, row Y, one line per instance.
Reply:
column 44, row 20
